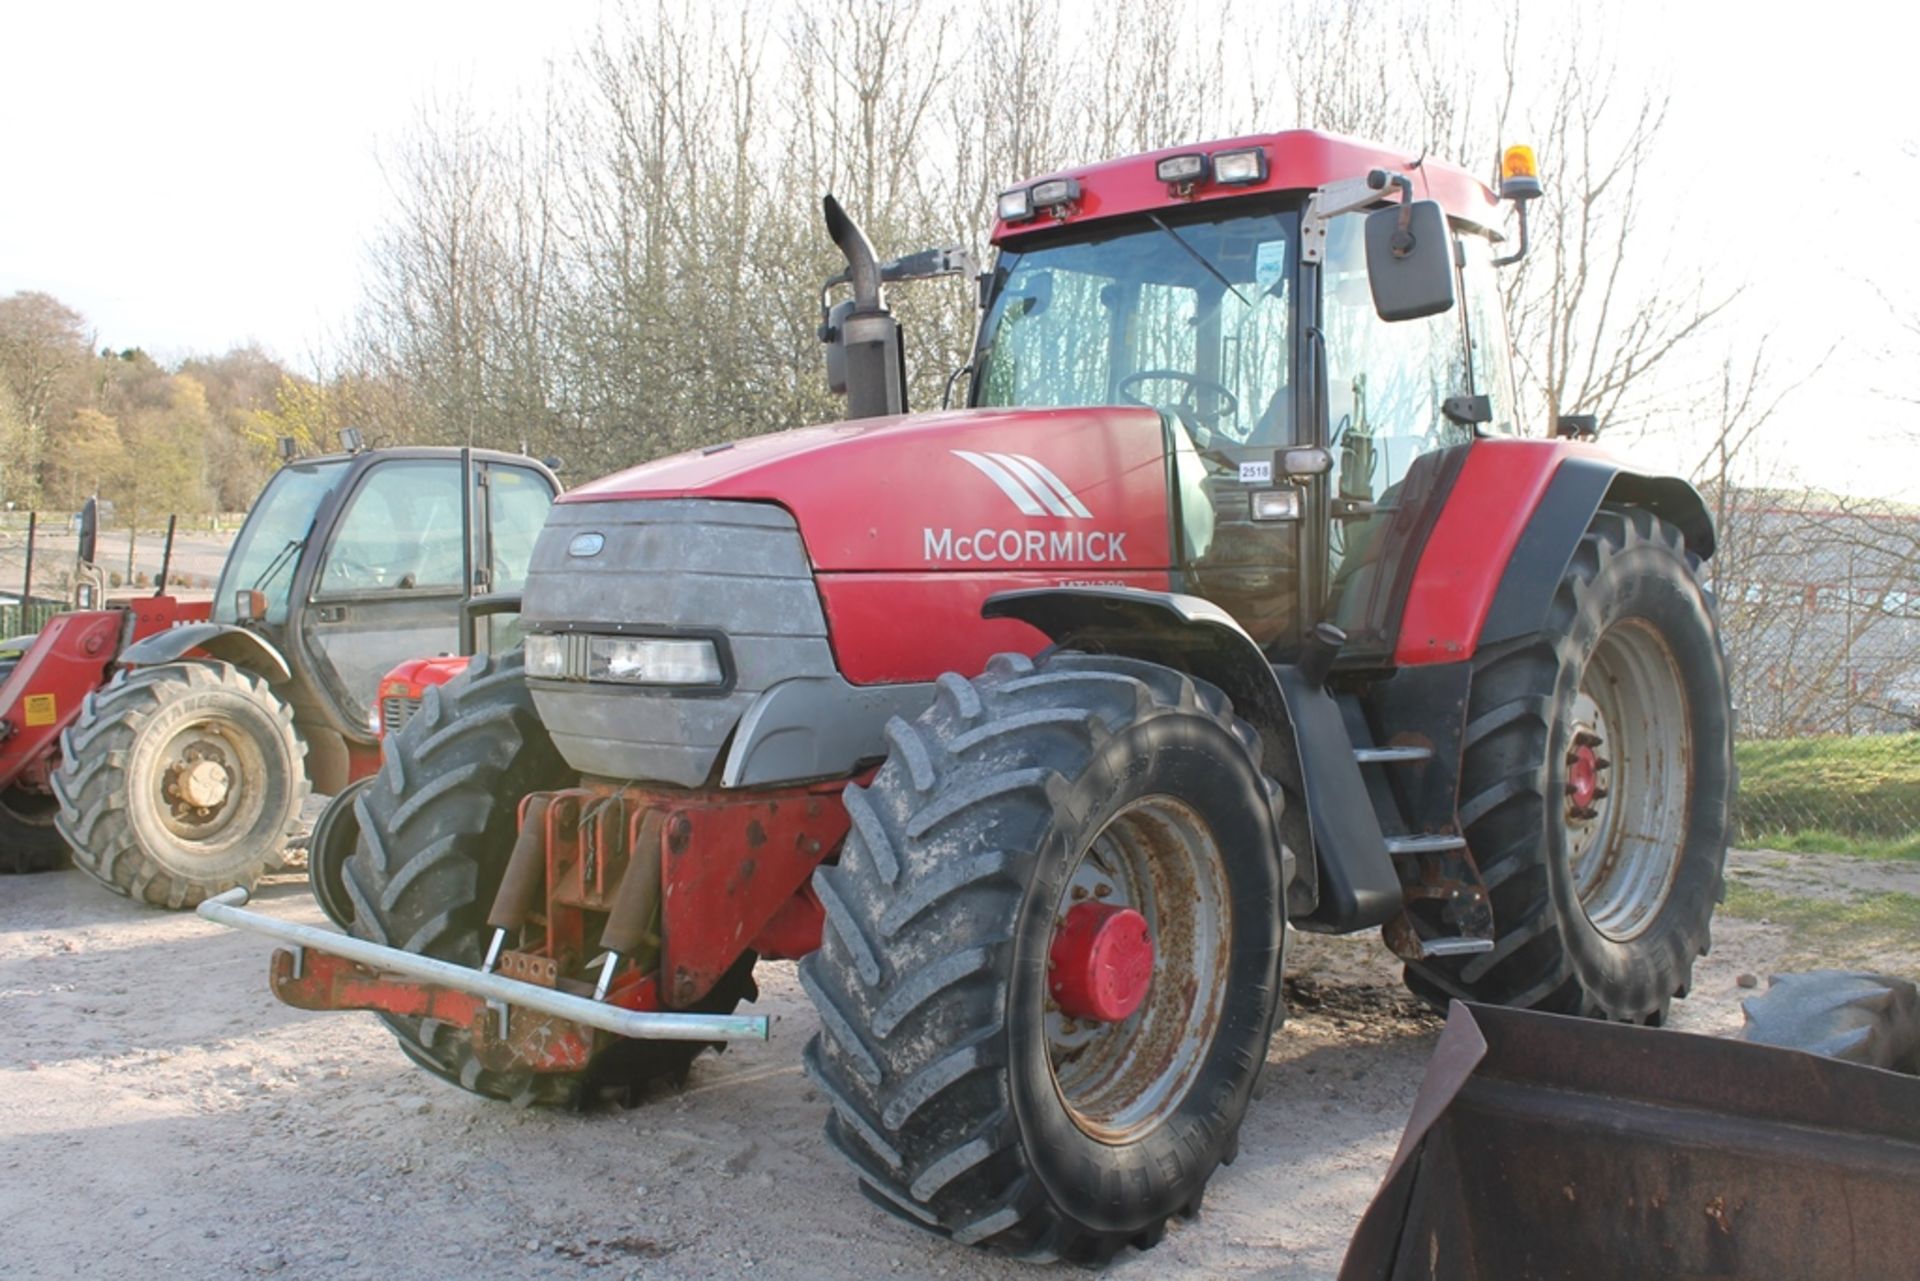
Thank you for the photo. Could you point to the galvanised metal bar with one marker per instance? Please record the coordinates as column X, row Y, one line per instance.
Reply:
column 225, row 909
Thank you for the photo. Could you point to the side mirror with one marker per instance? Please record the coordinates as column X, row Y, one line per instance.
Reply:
column 89, row 530
column 1410, row 261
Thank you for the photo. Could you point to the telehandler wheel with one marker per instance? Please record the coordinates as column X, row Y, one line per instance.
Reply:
column 1596, row 787
column 180, row 781
column 1052, row 963
column 336, row 833
column 436, row 826
column 29, row 842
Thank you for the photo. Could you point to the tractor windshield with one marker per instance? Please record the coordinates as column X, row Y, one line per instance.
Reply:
column 264, row 555
column 1188, row 310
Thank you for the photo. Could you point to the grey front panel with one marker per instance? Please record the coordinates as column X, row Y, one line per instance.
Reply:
column 667, row 567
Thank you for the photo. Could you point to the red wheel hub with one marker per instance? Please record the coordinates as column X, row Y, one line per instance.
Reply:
column 1583, row 777
column 1101, row 962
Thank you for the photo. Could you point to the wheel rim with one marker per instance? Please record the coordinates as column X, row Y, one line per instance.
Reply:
column 204, row 790
column 1158, row 859
column 1629, row 768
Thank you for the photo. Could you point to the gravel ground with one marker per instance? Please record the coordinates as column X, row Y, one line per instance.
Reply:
column 164, row 1114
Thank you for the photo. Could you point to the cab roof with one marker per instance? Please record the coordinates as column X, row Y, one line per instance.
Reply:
column 1297, row 160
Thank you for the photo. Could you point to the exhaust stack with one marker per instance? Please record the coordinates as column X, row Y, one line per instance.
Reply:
column 865, row 359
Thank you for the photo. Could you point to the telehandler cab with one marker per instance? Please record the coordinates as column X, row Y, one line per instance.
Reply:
column 169, row 745
column 1238, row 598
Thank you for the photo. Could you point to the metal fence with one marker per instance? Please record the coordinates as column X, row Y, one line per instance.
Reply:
column 1820, row 609
column 38, row 559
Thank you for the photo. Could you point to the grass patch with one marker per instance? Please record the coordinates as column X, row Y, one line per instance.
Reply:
column 1818, row 841
column 1851, row 931
column 1865, row 788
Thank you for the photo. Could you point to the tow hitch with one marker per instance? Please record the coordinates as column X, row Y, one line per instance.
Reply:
column 513, row 1023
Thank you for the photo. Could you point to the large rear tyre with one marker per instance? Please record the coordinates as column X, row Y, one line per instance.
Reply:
column 1596, row 787
column 29, row 842
column 179, row 782
column 436, row 826
column 979, row 1087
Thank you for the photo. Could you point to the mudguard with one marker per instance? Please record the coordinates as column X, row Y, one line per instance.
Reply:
column 1512, row 522
column 229, row 644
column 1350, row 882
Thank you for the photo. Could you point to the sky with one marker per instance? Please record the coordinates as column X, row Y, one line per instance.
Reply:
column 199, row 176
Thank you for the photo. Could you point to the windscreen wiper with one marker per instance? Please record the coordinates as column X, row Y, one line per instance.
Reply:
column 278, row 562
column 1195, row 255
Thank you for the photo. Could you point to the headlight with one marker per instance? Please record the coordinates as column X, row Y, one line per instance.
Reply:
column 547, row 657
column 623, row 660
column 652, row 662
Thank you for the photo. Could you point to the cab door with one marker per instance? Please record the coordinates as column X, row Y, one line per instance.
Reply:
column 392, row 577
column 1391, row 441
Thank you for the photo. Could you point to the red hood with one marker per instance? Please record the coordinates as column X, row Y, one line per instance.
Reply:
column 1048, row 488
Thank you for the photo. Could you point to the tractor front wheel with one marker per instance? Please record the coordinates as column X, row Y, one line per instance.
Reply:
column 1051, row 966
column 435, row 828
column 1595, row 787
column 179, row 782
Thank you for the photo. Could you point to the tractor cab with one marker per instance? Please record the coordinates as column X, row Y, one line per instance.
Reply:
column 1311, row 374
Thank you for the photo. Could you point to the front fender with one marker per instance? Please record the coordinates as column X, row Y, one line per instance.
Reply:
column 229, row 644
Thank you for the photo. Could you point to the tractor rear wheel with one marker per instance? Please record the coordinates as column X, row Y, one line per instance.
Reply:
column 436, row 826
column 179, row 782
column 1051, row 967
column 1596, row 785
column 29, row 842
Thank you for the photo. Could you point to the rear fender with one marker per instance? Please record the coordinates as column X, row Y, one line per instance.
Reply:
column 1580, row 487
column 228, row 644
column 1349, row 883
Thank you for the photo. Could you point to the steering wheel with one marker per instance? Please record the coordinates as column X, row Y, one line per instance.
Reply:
column 1189, row 412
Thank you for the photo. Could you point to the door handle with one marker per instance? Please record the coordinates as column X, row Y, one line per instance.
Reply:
column 331, row 613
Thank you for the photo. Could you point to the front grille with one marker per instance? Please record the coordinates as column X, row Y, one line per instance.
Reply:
column 395, row 712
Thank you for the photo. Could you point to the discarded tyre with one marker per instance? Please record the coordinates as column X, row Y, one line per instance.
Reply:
column 1050, row 967
column 1859, row 1018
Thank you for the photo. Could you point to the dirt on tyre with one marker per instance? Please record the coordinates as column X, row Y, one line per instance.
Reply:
column 1050, row 969
column 1596, row 787
column 179, row 782
column 435, row 828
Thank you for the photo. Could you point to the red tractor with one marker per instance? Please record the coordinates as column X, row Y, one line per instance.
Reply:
column 169, row 745
column 1235, row 600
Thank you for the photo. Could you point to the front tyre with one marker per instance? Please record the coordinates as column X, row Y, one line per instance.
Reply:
column 1051, row 968
column 434, row 829
column 1596, row 786
column 179, row 782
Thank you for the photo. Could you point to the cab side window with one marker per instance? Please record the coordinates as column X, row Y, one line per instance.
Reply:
column 403, row 531
column 1489, row 349
column 517, row 508
column 1385, row 382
